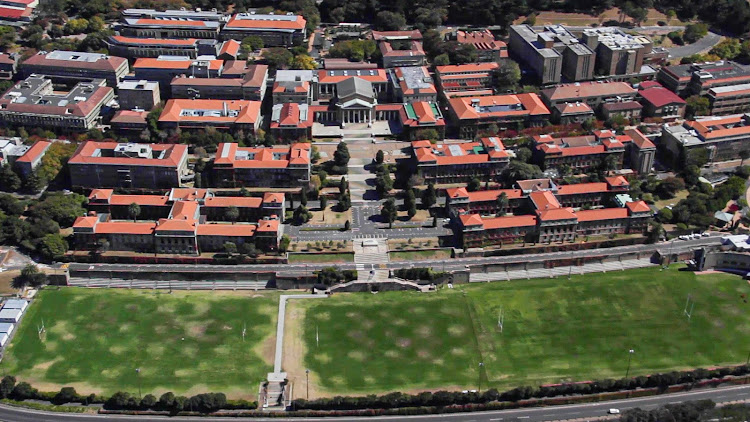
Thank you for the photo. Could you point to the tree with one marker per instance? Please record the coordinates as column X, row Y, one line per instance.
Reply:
column 278, row 57
column 32, row 183
column 638, row 14
column 303, row 62
column 502, row 204
column 474, row 185
column 30, row 276
column 252, row 43
column 134, row 210
column 52, row 245
column 244, row 192
column 341, row 155
column 656, row 232
column 6, row 386
column 284, row 243
column 668, row 187
column 148, row 401
column 507, row 76
column 664, row 215
column 9, row 180
column 301, row 215
column 410, row 200
column 343, row 185
column 429, row 196
column 63, row 209
column 230, row 248
column 442, row 60
column 347, row 226
column 249, row 249
column 383, row 183
column 303, row 197
column 389, row 21
column 379, row 157
column 517, row 170
column 727, row 49
column 10, row 205
column 389, row 212
column 696, row 106
column 232, row 213
column 744, row 155
column 695, row 31
column 345, row 202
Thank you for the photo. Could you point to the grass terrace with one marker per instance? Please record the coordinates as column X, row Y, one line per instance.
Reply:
column 554, row 330
column 183, row 342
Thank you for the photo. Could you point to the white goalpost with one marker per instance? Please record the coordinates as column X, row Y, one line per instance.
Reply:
column 689, row 306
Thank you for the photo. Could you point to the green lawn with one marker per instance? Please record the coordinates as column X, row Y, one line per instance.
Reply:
column 183, row 342
column 321, row 257
column 555, row 330
column 412, row 255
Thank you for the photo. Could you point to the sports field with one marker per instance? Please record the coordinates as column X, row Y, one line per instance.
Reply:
column 184, row 342
column 554, row 330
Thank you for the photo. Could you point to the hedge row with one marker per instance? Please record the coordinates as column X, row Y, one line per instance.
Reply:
column 450, row 398
column 203, row 403
column 419, row 273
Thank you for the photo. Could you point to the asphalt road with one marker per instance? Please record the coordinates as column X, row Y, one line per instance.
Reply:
column 702, row 44
column 537, row 414
column 450, row 264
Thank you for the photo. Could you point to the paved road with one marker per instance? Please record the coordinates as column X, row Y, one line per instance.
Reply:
column 451, row 264
column 589, row 410
column 702, row 44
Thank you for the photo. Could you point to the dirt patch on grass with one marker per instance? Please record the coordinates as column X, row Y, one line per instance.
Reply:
column 266, row 348
column 403, row 343
column 196, row 329
column 81, row 387
column 5, row 279
column 295, row 350
column 45, row 365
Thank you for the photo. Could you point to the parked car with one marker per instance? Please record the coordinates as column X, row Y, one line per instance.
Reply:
column 705, row 234
column 614, row 411
column 683, row 237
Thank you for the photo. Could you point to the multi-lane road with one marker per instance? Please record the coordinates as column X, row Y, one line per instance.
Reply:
column 588, row 411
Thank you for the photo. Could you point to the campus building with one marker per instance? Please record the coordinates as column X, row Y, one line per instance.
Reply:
column 181, row 24
column 275, row 30
column 134, row 48
column 552, row 54
column 660, row 102
column 33, row 102
column 327, row 81
column 412, row 35
column 412, row 84
column 143, row 95
column 295, row 86
column 722, row 138
column 17, row 10
column 221, row 114
column 8, row 65
column 414, row 56
column 472, row 79
column 115, row 165
column 582, row 154
column 278, row 166
column 32, row 158
column 697, row 78
column 165, row 68
column 249, row 86
column 617, row 53
column 459, row 162
column 488, row 48
column 73, row 66
column 594, row 94
column 472, row 115
column 732, row 99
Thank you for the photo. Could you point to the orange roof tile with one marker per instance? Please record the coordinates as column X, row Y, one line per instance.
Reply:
column 36, row 151
column 268, row 226
column 235, row 23
column 101, row 194
column 248, row 112
column 638, row 206
column 602, row 214
column 88, row 153
column 146, row 200
column 233, row 201
column 125, row 227
column 617, row 181
column 273, row 197
column 229, row 230
column 491, row 195
column 467, row 68
column 582, row 188
column 509, row 222
column 86, row 222
column 471, row 220
column 556, row 214
column 544, row 200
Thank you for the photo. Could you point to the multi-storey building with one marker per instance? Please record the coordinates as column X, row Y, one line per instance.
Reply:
column 295, row 86
column 275, row 30
column 147, row 23
column 327, row 80
column 474, row 114
column 459, row 162
column 580, row 154
column 413, row 35
column 698, row 78
column 278, row 166
column 33, row 102
column 658, row 101
column 143, row 95
column 592, row 93
column 729, row 99
column 488, row 48
column 722, row 138
column 413, row 84
column 552, row 53
column 473, row 79
column 67, row 66
column 419, row 115
column 617, row 53
column 193, row 15
column 165, row 68
column 249, row 86
column 32, row 158
column 567, row 113
column 414, row 56
column 129, row 122
column 8, row 65
column 221, row 114
column 133, row 48
column 112, row 165
column 641, row 152
column 17, row 10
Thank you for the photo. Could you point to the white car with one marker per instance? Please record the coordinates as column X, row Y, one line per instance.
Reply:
column 614, row 411
column 705, row 234
column 683, row 237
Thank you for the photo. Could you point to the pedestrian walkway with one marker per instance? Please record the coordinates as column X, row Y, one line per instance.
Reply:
column 598, row 267
column 369, row 254
column 167, row 284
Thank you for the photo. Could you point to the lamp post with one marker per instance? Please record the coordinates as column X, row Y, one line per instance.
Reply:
column 307, row 383
column 747, row 362
column 138, row 375
column 630, row 357
column 479, row 386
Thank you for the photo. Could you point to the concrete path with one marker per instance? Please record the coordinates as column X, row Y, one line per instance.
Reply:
column 699, row 46
column 280, row 327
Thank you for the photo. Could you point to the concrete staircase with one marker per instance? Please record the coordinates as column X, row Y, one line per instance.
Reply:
column 369, row 254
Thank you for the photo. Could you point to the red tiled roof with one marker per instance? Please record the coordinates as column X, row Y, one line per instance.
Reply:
column 233, row 201
column 617, row 181
column 268, row 226
column 602, row 214
column 101, row 194
column 467, row 68
column 109, row 63
column 154, row 41
column 638, row 206
column 509, row 222
column 13, row 13
column 471, row 220
column 129, row 116
column 147, row 200
column 544, row 200
column 85, row 155
column 273, row 197
column 230, row 230
column 532, row 105
column 155, row 63
column 166, row 224
column 491, row 195
column 86, row 222
column 582, row 188
column 639, row 139
column 249, row 111
column 660, row 97
column 297, row 24
column 169, row 22
column 556, row 214
column 324, row 77
column 36, row 150
column 230, row 47
column 298, row 153
column 125, row 227
column 587, row 90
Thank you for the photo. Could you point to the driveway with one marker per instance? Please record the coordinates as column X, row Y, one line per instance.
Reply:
column 699, row 46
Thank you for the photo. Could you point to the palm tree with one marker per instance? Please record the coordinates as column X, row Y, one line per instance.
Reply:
column 134, row 210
